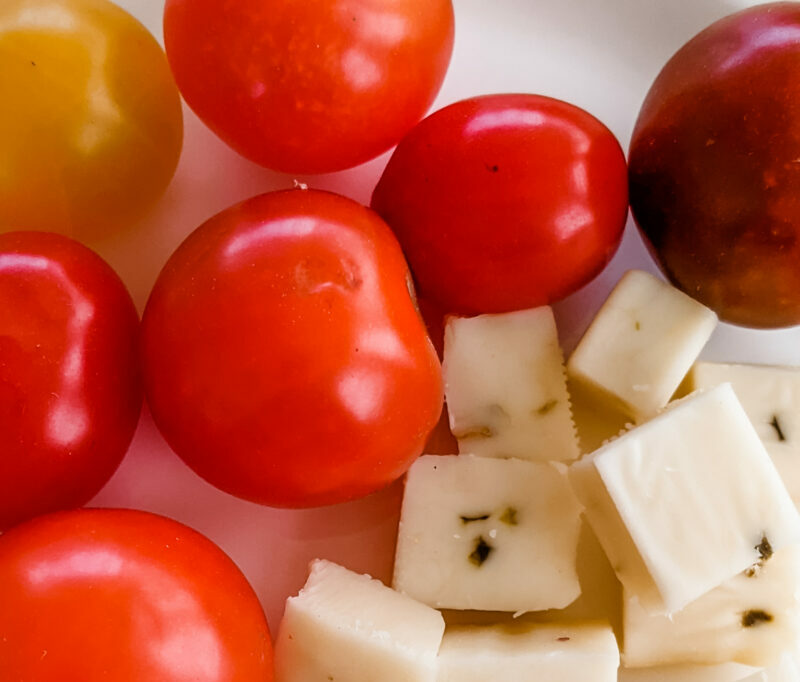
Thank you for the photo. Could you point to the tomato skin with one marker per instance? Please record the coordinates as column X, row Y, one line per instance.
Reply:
column 314, row 86
column 70, row 383
column 505, row 202
column 100, row 594
column 285, row 361
column 91, row 125
column 713, row 167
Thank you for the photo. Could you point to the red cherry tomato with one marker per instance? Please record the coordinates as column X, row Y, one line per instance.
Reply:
column 285, row 361
column 97, row 595
column 312, row 86
column 505, row 202
column 70, row 391
column 714, row 164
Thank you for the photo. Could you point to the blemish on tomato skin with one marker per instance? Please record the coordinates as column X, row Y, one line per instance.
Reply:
column 314, row 276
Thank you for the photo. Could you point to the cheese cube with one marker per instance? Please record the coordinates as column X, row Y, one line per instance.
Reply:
column 684, row 501
column 600, row 599
column 505, row 386
column 529, row 653
column 488, row 534
column 349, row 627
column 641, row 344
column 771, row 398
column 725, row 672
column 752, row 618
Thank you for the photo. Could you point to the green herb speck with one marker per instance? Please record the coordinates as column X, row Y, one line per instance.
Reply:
column 481, row 552
column 471, row 519
column 775, row 424
column 547, row 407
column 509, row 516
column 764, row 548
column 755, row 617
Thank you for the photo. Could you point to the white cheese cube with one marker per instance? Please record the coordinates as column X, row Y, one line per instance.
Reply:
column 752, row 618
column 771, row 398
column 683, row 502
column 600, row 599
column 641, row 344
column 488, row 534
column 505, row 386
column 349, row 627
column 529, row 653
column 725, row 672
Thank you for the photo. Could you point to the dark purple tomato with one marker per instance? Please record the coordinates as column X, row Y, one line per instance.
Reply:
column 715, row 167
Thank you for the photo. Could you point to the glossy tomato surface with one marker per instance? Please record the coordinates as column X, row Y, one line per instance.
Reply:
column 70, row 385
column 285, row 361
column 312, row 86
column 98, row 594
column 715, row 167
column 91, row 124
column 505, row 202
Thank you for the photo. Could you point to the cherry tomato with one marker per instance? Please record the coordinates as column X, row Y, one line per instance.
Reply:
column 714, row 167
column 505, row 202
column 91, row 124
column 70, row 385
column 312, row 86
column 285, row 361
column 99, row 594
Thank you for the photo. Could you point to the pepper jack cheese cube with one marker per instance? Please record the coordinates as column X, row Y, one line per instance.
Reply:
column 771, row 398
column 641, row 344
column 349, row 627
column 488, row 534
column 684, row 501
column 506, row 388
column 601, row 592
column 752, row 618
column 529, row 653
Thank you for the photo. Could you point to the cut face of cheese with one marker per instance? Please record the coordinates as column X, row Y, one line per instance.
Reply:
column 725, row 672
column 641, row 344
column 752, row 618
column 685, row 501
column 596, row 422
column 786, row 459
column 529, row 653
column 505, row 386
column 786, row 670
column 771, row 398
column 601, row 591
column 488, row 534
column 345, row 626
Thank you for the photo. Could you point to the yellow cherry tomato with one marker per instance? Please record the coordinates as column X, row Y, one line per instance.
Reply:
column 90, row 118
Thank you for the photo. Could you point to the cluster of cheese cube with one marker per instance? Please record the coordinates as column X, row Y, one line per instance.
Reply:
column 691, row 555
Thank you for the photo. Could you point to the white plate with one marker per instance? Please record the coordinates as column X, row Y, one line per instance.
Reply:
column 598, row 54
